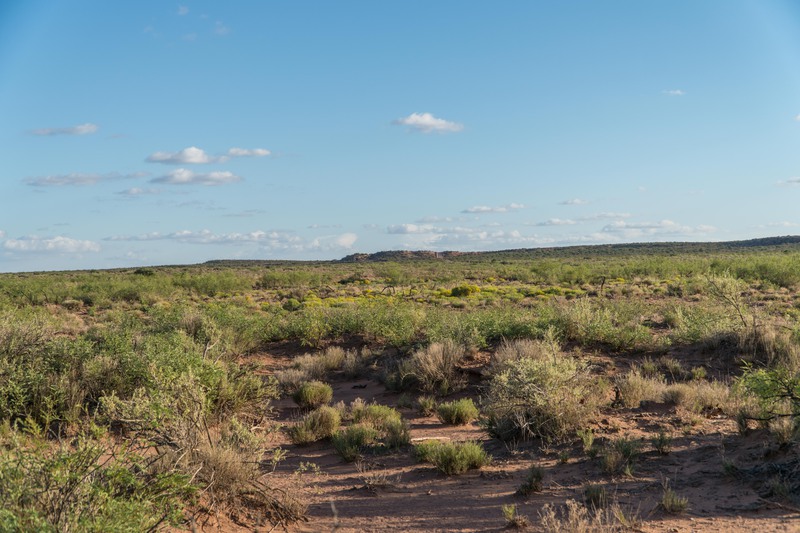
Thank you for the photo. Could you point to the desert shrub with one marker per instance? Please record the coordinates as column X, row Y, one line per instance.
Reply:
column 436, row 367
column 426, row 405
column 671, row 502
column 533, row 481
column 456, row 458
column 425, row 450
column 700, row 396
column 549, row 399
column 376, row 415
column 595, row 496
column 351, row 442
column 291, row 379
column 395, row 434
column 573, row 517
column 634, row 388
column 458, row 412
column 620, row 455
column 509, row 351
column 71, row 489
column 313, row 394
column 513, row 519
column 662, row 442
column 319, row 424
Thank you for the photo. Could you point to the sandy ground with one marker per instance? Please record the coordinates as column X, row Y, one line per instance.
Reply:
column 392, row 492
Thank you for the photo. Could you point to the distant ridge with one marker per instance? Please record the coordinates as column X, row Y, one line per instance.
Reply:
column 792, row 241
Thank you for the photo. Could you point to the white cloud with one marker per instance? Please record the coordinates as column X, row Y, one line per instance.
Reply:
column 784, row 224
column 184, row 176
column 188, row 156
column 499, row 209
column 221, row 29
column 674, row 92
column 635, row 230
column 137, row 191
column 247, row 213
column 52, row 244
column 432, row 219
column 244, row 152
column 183, row 10
column 405, row 229
column 427, row 123
column 80, row 129
column 574, row 201
column 2, row 234
column 791, row 181
column 346, row 240
column 267, row 240
column 797, row 117
column 605, row 216
column 78, row 178
column 556, row 222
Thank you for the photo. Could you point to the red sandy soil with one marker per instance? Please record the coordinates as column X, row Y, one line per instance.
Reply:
column 393, row 492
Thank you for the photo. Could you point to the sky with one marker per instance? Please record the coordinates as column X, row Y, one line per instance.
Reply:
column 158, row 132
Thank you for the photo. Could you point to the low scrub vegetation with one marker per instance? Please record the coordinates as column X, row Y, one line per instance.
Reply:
column 149, row 382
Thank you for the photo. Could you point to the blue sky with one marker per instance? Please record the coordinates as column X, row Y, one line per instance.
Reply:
column 157, row 132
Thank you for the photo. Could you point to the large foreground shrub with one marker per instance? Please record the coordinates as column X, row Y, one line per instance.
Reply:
column 549, row 397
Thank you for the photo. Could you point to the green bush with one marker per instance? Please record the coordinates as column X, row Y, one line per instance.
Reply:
column 545, row 398
column 313, row 394
column 458, row 412
column 453, row 459
column 351, row 442
column 319, row 424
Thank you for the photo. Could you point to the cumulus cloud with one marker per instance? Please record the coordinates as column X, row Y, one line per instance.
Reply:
column 2, row 234
column 188, row 156
column 245, row 152
column 137, row 191
column 197, row 156
column 605, row 216
column 346, row 240
column 405, row 229
column 784, row 224
column 80, row 129
column 268, row 240
column 499, row 209
column 427, row 123
column 635, row 230
column 674, row 92
column 51, row 244
column 77, row 178
column 574, row 201
column 556, row 222
column 184, row 176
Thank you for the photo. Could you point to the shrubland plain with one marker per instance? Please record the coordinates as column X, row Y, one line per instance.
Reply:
column 611, row 388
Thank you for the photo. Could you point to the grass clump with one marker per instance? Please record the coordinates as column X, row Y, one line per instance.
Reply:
column 351, row 442
column 458, row 412
column 426, row 405
column 534, row 481
column 435, row 368
column 452, row 458
column 662, row 442
column 312, row 394
column 671, row 502
column 513, row 519
column 316, row 425
column 620, row 455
